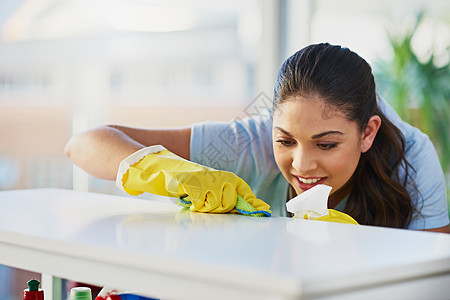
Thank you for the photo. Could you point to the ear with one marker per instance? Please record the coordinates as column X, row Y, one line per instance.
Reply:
column 370, row 132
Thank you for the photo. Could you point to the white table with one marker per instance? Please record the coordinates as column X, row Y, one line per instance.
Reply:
column 159, row 250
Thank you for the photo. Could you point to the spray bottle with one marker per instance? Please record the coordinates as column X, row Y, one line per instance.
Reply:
column 33, row 292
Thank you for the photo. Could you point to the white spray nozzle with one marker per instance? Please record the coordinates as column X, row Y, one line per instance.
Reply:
column 313, row 202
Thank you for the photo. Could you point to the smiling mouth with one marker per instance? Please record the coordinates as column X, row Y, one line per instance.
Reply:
column 307, row 183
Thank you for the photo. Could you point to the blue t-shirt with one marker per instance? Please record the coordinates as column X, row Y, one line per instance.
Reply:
column 244, row 146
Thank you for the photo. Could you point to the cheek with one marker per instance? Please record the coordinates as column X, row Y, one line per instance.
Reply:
column 282, row 159
column 344, row 163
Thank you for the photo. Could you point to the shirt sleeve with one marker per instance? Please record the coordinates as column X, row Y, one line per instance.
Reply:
column 429, row 195
column 243, row 146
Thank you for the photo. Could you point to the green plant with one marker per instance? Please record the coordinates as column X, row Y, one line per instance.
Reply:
column 418, row 90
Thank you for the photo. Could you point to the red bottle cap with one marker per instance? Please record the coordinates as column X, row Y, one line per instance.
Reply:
column 33, row 292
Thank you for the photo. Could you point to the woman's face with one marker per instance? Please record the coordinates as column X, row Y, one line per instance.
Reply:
column 315, row 144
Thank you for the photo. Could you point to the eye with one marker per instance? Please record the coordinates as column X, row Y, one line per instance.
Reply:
column 327, row 146
column 286, row 143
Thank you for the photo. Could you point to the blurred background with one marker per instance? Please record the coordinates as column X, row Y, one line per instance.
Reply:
column 70, row 65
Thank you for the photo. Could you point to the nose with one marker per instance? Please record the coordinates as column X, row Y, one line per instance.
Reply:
column 304, row 161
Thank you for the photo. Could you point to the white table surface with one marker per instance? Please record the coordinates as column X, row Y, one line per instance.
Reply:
column 157, row 249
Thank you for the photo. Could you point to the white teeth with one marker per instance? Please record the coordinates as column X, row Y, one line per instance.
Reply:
column 308, row 181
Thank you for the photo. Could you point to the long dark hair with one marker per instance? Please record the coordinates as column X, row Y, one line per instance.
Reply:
column 345, row 81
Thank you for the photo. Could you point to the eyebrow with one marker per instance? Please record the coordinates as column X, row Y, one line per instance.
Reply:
column 284, row 131
column 316, row 136
column 319, row 135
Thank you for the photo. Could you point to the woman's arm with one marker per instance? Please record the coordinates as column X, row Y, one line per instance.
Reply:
column 445, row 229
column 99, row 151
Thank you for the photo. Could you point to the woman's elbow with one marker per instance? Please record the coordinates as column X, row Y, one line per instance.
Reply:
column 68, row 148
column 75, row 149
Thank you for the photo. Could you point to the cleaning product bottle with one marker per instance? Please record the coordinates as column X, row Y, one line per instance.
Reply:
column 108, row 293
column 113, row 294
column 80, row 293
column 33, row 292
column 124, row 296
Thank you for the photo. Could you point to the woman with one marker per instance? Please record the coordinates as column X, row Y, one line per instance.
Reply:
column 327, row 128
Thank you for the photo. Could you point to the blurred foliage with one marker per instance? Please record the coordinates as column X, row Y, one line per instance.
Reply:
column 418, row 90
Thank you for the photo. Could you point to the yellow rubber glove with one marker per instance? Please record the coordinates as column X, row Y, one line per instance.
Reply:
column 335, row 216
column 158, row 171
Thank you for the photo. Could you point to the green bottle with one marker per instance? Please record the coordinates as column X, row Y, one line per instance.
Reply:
column 80, row 293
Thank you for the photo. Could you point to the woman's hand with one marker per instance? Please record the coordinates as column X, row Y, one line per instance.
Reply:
column 158, row 171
